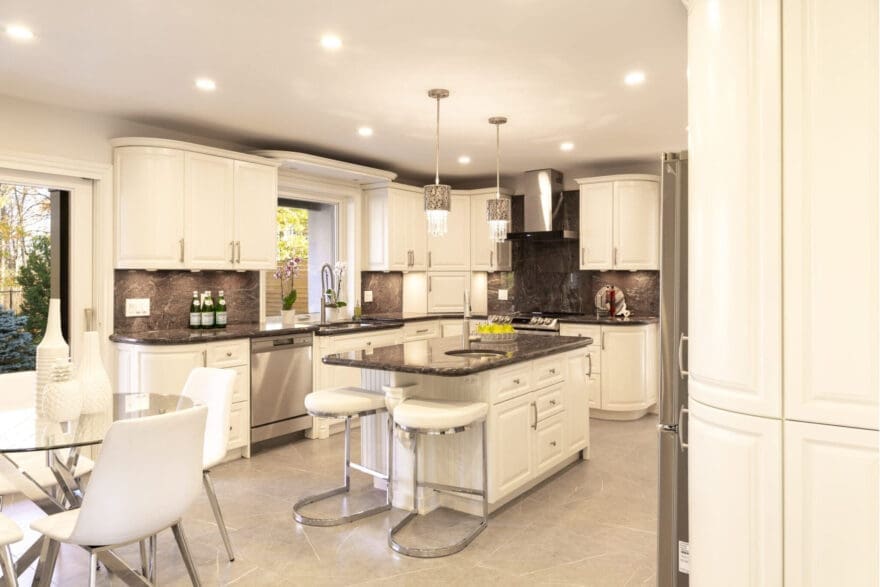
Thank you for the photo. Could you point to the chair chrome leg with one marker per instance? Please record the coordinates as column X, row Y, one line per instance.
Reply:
column 152, row 574
column 389, row 489
column 46, row 565
column 145, row 561
column 182, row 545
column 9, row 578
column 218, row 515
column 93, row 568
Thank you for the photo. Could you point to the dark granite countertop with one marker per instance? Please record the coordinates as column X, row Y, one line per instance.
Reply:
column 606, row 321
column 416, row 317
column 354, row 327
column 428, row 357
column 188, row 336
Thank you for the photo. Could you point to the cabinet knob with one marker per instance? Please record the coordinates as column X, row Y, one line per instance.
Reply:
column 516, row 381
column 369, row 344
column 552, row 402
column 552, row 371
column 553, row 443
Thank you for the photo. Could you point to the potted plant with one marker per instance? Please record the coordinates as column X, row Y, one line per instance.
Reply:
column 286, row 272
column 335, row 304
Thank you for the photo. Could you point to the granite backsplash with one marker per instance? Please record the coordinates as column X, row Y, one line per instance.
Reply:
column 387, row 288
column 170, row 294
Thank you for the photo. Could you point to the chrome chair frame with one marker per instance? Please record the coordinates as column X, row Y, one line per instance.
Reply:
column 346, row 476
column 435, row 552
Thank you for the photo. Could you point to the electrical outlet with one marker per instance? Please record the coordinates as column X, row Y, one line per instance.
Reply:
column 137, row 307
column 502, row 294
column 368, row 295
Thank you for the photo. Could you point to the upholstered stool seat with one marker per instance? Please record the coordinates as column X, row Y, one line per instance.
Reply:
column 435, row 417
column 346, row 402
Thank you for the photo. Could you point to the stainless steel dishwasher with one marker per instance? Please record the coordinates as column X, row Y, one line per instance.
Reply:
column 281, row 377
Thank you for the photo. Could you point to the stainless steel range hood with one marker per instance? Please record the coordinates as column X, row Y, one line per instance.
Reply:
column 543, row 208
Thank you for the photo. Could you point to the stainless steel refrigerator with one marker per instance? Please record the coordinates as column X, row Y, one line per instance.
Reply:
column 672, row 531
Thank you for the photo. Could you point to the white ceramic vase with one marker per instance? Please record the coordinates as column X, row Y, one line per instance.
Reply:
column 53, row 347
column 288, row 317
column 61, row 399
column 97, row 391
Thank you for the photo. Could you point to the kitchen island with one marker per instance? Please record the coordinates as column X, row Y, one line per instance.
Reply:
column 537, row 424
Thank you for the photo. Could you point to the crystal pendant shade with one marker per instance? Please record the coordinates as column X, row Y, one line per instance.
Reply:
column 437, row 205
column 498, row 215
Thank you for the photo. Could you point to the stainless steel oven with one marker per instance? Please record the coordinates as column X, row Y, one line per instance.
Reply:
column 281, row 377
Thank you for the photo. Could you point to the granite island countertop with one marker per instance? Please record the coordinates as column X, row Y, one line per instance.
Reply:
column 428, row 357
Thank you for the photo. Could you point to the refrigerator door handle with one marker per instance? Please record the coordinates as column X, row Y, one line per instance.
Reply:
column 681, row 371
column 682, row 445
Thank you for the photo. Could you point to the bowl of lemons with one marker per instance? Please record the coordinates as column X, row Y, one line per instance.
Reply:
column 492, row 332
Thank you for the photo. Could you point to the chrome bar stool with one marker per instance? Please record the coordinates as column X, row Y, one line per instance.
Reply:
column 435, row 418
column 346, row 402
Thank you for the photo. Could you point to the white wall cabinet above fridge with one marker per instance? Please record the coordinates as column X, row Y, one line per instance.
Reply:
column 395, row 231
column 183, row 206
column 620, row 222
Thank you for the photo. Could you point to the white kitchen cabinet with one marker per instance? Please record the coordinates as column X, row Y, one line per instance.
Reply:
column 830, row 122
column 446, row 291
column 329, row 376
column 512, row 443
column 486, row 255
column 735, row 498
column 149, row 208
column 210, row 235
column 451, row 252
column 577, row 403
column 184, row 206
column 831, row 505
column 620, row 222
column 394, row 229
column 256, row 200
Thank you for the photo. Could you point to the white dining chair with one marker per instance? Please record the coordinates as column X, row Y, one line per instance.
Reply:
column 17, row 393
column 146, row 478
column 10, row 533
column 213, row 388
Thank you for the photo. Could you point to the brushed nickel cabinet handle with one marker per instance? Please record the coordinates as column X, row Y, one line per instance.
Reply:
column 681, row 370
column 181, row 250
column 602, row 344
column 491, row 258
column 238, row 249
column 552, row 402
column 204, row 358
column 553, row 443
column 516, row 381
column 552, row 371
column 429, row 259
column 232, row 251
column 422, row 331
column 583, row 250
column 682, row 445
column 615, row 256
column 535, row 410
column 590, row 364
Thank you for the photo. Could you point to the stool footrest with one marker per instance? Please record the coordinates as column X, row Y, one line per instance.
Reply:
column 368, row 471
column 310, row 521
column 431, row 552
column 450, row 488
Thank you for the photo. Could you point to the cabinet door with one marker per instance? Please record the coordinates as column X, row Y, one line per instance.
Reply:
column 418, row 232
column 577, row 400
column 594, row 390
column 831, row 505
column 734, row 301
column 256, row 201
column 239, row 425
column 486, row 254
column 596, row 225
column 209, row 211
column 446, row 291
column 735, row 498
column 549, row 443
column 165, row 371
column 624, row 368
column 451, row 252
column 512, row 437
column 451, row 328
column 831, row 140
column 636, row 225
column 149, row 208
column 398, row 232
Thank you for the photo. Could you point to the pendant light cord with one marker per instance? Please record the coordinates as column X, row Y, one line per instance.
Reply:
column 437, row 147
column 497, row 161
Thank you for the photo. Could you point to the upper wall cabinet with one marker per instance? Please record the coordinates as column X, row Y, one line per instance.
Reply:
column 394, row 229
column 620, row 222
column 486, row 255
column 183, row 206
column 451, row 252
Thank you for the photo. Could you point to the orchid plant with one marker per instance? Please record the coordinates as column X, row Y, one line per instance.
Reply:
column 286, row 272
column 334, row 295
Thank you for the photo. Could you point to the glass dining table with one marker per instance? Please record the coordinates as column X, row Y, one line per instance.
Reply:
column 29, row 442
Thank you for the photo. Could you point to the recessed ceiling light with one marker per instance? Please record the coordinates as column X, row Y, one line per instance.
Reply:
column 634, row 78
column 331, row 42
column 206, row 84
column 566, row 146
column 464, row 159
column 365, row 131
column 19, row 33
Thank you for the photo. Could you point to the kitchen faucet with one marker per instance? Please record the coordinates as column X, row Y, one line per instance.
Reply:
column 326, row 283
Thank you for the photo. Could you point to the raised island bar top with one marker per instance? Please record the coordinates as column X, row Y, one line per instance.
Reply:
column 537, row 393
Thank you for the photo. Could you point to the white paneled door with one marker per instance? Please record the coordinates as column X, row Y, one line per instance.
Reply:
column 636, row 225
column 209, row 211
column 596, row 225
column 256, row 199
column 451, row 252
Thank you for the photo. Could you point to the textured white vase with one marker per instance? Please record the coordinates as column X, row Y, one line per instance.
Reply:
column 60, row 400
column 97, row 391
column 53, row 347
column 288, row 317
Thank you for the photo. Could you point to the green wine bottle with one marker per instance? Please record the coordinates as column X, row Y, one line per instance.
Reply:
column 195, row 312
column 208, row 311
column 220, row 315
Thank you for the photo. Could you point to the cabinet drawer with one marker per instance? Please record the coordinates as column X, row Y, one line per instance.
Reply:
column 227, row 354
column 241, row 391
column 549, row 402
column 421, row 330
column 549, row 443
column 239, row 430
column 548, row 371
column 509, row 383
column 581, row 330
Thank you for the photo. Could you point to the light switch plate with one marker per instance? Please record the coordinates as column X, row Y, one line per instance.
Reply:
column 368, row 295
column 502, row 294
column 137, row 307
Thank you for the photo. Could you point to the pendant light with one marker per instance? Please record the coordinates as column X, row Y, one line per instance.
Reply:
column 498, row 209
column 437, row 196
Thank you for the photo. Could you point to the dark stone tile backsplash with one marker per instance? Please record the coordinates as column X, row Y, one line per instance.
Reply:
column 387, row 291
column 170, row 294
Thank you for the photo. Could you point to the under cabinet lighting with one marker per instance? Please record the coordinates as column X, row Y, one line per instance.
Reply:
column 19, row 32
column 206, row 84
column 365, row 131
column 464, row 159
column 331, row 42
column 566, row 146
column 634, row 78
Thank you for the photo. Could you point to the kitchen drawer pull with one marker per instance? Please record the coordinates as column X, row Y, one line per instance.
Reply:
column 516, row 381
column 369, row 344
column 590, row 363
column 423, row 331
column 553, row 443
column 553, row 371
column 552, row 402
column 181, row 250
column 228, row 353
column 535, row 410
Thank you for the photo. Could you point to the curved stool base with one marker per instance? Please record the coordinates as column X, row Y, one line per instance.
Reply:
column 433, row 552
column 338, row 521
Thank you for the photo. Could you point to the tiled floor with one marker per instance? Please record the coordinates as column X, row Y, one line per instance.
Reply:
column 594, row 524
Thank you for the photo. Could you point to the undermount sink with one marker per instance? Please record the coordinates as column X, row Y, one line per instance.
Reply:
column 334, row 327
column 476, row 353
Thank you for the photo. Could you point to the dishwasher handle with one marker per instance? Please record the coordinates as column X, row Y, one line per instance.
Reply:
column 266, row 345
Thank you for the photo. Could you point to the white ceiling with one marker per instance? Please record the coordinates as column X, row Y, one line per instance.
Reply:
column 554, row 67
